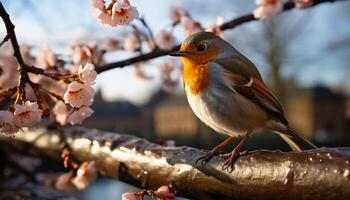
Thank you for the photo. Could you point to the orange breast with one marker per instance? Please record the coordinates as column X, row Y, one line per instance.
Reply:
column 196, row 76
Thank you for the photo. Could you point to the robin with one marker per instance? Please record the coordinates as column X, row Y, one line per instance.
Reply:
column 225, row 91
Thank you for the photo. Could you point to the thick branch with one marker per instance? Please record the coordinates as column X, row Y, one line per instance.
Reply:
column 228, row 25
column 319, row 174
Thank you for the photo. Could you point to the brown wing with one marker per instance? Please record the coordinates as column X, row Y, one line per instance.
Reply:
column 260, row 94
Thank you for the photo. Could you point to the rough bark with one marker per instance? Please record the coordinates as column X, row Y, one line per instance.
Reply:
column 318, row 174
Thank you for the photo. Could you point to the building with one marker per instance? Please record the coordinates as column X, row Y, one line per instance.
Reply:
column 121, row 117
column 318, row 113
column 174, row 117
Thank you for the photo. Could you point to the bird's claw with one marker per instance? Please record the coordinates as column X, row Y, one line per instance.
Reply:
column 230, row 159
column 203, row 160
column 228, row 165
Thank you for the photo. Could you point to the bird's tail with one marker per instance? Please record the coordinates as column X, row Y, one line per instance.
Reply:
column 295, row 141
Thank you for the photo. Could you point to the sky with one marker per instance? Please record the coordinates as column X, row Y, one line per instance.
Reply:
column 62, row 22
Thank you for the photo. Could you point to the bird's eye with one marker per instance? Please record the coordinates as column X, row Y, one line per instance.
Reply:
column 201, row 47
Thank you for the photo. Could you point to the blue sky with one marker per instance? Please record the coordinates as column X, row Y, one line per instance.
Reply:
column 61, row 22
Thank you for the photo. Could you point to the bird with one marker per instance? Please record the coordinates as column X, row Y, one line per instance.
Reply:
column 225, row 90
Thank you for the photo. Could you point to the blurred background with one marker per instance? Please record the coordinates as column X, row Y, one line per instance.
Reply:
column 303, row 56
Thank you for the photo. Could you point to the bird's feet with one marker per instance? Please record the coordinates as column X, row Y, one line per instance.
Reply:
column 203, row 160
column 230, row 158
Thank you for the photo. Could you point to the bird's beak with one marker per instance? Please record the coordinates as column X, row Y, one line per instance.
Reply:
column 178, row 53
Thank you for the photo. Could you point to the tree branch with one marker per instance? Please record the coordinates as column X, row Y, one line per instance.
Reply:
column 228, row 25
column 318, row 174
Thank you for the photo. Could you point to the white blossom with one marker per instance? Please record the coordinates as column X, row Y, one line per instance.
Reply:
column 88, row 73
column 267, row 8
column 27, row 115
column 131, row 43
column 165, row 40
column 7, row 122
column 78, row 95
column 60, row 111
column 86, row 174
column 78, row 116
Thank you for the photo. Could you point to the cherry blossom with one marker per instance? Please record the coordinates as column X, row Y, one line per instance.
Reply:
column 99, row 4
column 78, row 116
column 131, row 43
column 116, row 13
column 216, row 28
column 190, row 25
column 7, row 122
column 56, row 87
column 124, row 13
column 9, row 74
column 27, row 115
column 78, row 95
column 303, row 3
column 140, row 74
column 86, row 174
column 267, row 8
column 103, row 18
column 165, row 40
column 60, row 111
column 87, row 73
column 176, row 13
column 112, row 44
column 46, row 58
column 164, row 193
column 81, row 54
column 129, row 196
column 64, row 182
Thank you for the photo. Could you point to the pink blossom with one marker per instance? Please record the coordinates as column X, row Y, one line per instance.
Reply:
column 176, row 13
column 64, row 182
column 190, row 25
column 99, row 4
column 165, row 40
column 112, row 44
column 9, row 75
column 140, row 74
column 267, row 8
column 53, row 86
column 131, row 43
column 27, row 115
column 303, row 3
column 78, row 116
column 124, row 13
column 60, row 111
column 171, row 73
column 46, row 58
column 86, row 174
column 78, row 95
column 116, row 13
column 103, row 18
column 81, row 54
column 216, row 28
column 7, row 122
column 25, row 51
column 164, row 193
column 129, row 196
column 87, row 73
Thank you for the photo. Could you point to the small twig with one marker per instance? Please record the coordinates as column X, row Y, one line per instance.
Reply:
column 149, row 30
column 6, row 38
column 138, row 34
